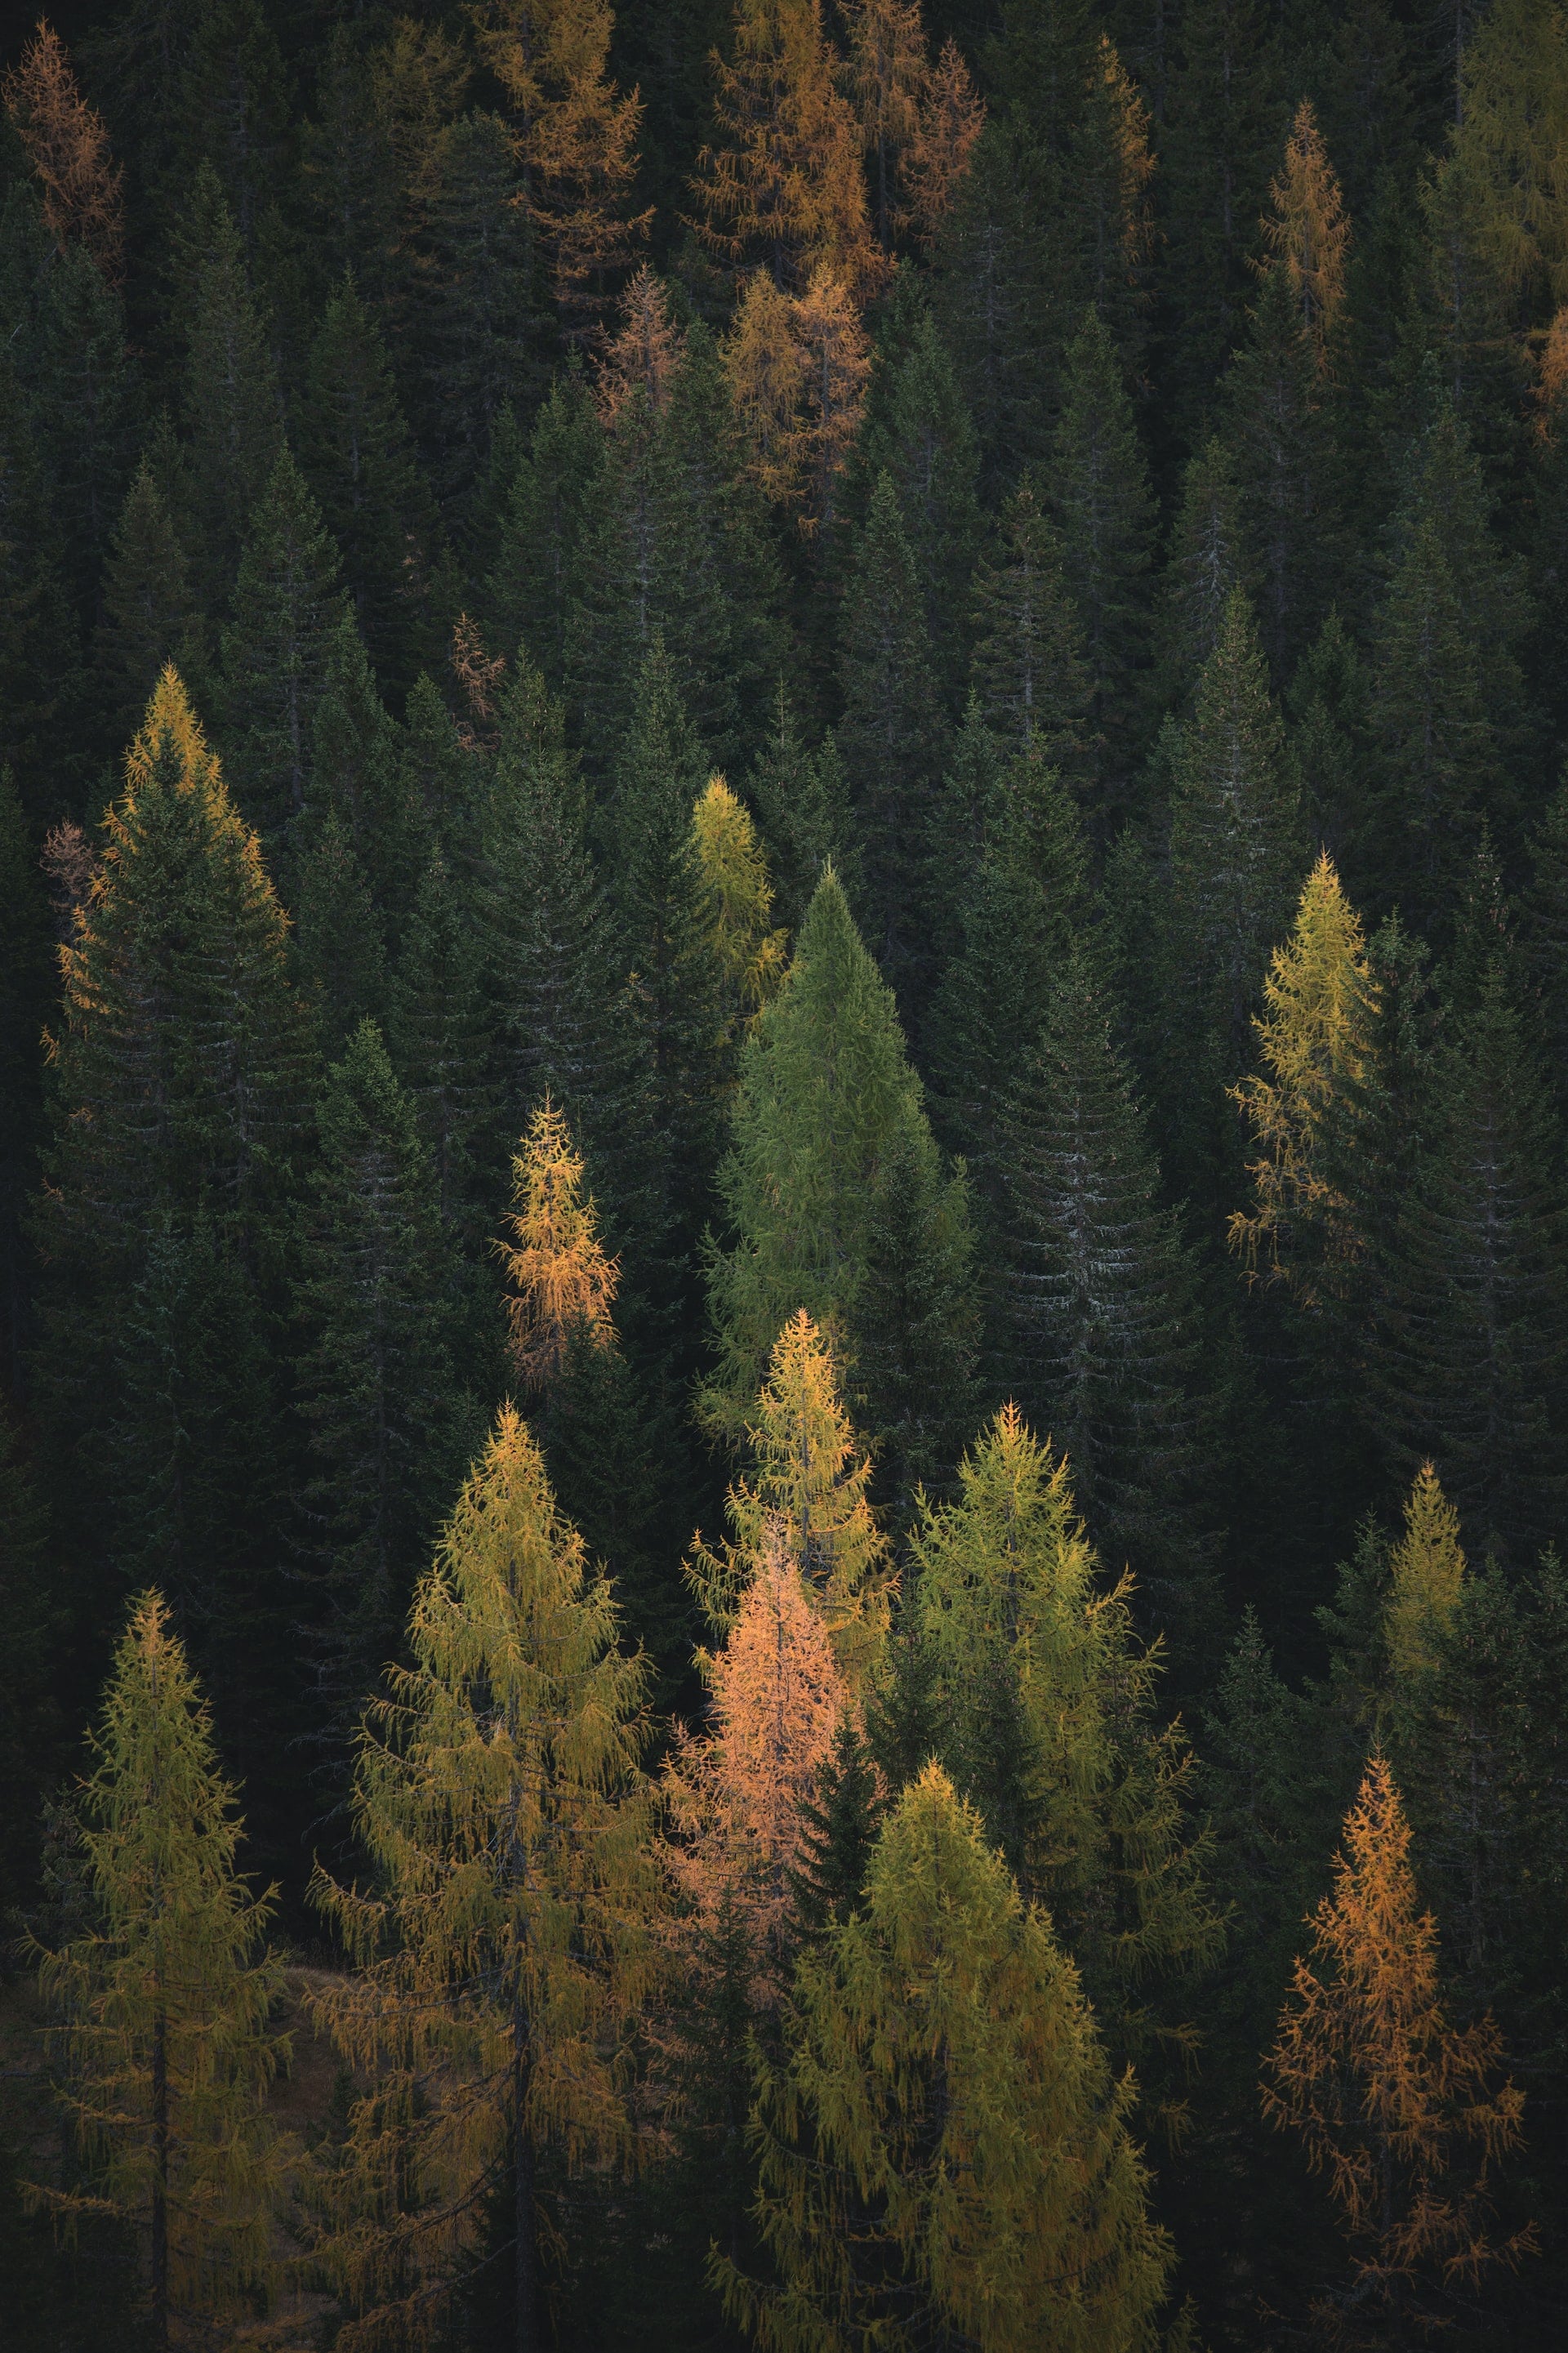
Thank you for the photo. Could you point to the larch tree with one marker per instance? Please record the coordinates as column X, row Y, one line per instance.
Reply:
column 806, row 1487
column 824, row 1087
column 561, row 1284
column 1318, row 1035
column 752, row 957
column 1308, row 231
column 1045, row 1705
column 944, row 2147
column 66, row 143
column 507, row 1947
column 1427, row 1572
column 1396, row 2105
column 166, row 2047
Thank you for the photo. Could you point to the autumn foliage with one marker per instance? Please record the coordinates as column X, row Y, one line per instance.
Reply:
column 67, row 147
column 561, row 1282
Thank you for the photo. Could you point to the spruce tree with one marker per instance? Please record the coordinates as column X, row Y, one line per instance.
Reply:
column 231, row 408
column 548, row 503
column 1101, row 1332
column 498, row 1791
column 276, row 648
column 1467, row 1360
column 801, row 799
column 167, row 2042
column 891, row 734
column 375, row 1382
column 1028, row 667
column 826, row 1088
column 944, row 2148
column 150, row 611
column 438, row 1034
column 1098, row 494
column 356, row 455
column 1207, row 556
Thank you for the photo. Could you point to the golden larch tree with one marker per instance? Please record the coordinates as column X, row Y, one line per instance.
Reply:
column 783, row 181
column 1308, row 231
column 643, row 354
column 735, row 1798
column 738, row 902
column 562, row 1283
column 67, row 146
column 946, row 2157
column 167, row 2047
column 951, row 118
column 576, row 141
column 837, row 366
column 1318, row 1035
column 509, row 1941
column 797, row 367
column 807, row 1489
column 1428, row 1573
column 887, row 75
column 1393, row 2102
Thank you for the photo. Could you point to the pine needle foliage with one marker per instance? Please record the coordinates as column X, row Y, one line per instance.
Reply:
column 167, row 2049
column 1395, row 2104
column 505, row 1943
column 945, row 2152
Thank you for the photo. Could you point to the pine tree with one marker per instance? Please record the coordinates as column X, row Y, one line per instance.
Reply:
column 1467, row 1349
column 891, row 734
column 1101, row 1329
column 276, row 648
column 838, row 1833
column 807, row 1488
column 1028, row 665
column 340, row 938
column 992, row 302
column 825, row 1089
column 498, row 1792
column 376, row 1381
column 944, row 2148
column 1385, row 2094
column 1091, row 1798
column 167, row 2042
column 356, row 455
column 1100, row 497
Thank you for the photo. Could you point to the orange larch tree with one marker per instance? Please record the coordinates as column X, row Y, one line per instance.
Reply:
column 1393, row 2102
column 1309, row 232
column 644, row 351
column 563, row 1284
column 67, row 146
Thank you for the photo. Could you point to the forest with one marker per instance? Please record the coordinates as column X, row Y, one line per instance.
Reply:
column 783, row 1223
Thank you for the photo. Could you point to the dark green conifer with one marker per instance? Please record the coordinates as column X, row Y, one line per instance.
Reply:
column 150, row 611
column 275, row 650
column 25, row 978
column 438, row 1032
column 340, row 936
column 1098, row 494
column 1206, row 559
column 802, row 802
column 992, row 298
column 549, row 503
column 39, row 663
column 30, row 1730
column 232, row 412
column 357, row 456
column 1028, row 666
column 891, row 734
column 841, row 1825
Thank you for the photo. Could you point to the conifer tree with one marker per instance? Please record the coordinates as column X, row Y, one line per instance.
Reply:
column 25, row 976
column 825, row 1089
column 943, row 2148
column 738, row 898
column 39, row 656
column 1319, row 1039
column 230, row 402
column 150, row 611
column 375, row 1380
column 547, row 504
column 357, row 456
column 1388, row 2097
column 66, row 143
column 801, row 799
column 807, row 1488
column 1028, row 665
column 438, row 1034
column 1101, row 1332
column 30, row 1736
column 891, row 734
column 1427, row 1571
column 340, row 936
column 274, row 649
column 1100, row 497
column 498, row 1791
column 175, row 994
column 1045, row 1696
column 1309, row 231
column 1467, row 1348
column 560, row 1283
column 167, row 2042
column 1207, row 558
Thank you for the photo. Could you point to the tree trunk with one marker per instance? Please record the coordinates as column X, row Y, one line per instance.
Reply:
column 160, row 2179
column 525, row 2267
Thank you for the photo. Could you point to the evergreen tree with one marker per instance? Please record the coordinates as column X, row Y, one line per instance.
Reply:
column 891, row 734
column 167, row 2042
column 825, row 1090
column 1208, row 557
column 1029, row 664
column 150, row 612
column 356, row 454
column 800, row 799
column 231, row 403
column 1102, row 1342
column 438, row 1034
column 498, row 1791
column 1083, row 1790
column 838, row 1833
column 23, row 1000
column 39, row 664
column 548, row 503
column 1468, row 1345
column 340, row 938
column 1100, row 497
column 276, row 648
column 375, row 1380
column 30, row 1736
column 944, row 2148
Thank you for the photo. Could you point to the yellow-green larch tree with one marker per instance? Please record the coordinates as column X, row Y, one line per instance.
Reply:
column 560, row 1283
